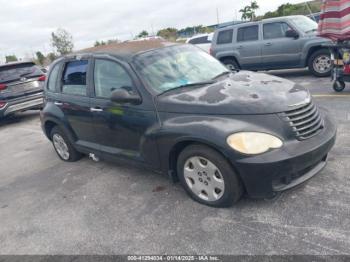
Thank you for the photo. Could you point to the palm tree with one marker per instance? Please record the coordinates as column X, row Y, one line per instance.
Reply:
column 248, row 12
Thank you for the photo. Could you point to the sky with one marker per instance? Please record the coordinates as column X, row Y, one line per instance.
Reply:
column 26, row 25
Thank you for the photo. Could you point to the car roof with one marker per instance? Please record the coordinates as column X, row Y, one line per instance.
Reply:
column 244, row 24
column 17, row 63
column 127, row 50
column 200, row 35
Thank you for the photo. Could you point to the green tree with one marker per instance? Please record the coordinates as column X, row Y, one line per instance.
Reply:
column 51, row 57
column 143, row 34
column 112, row 41
column 295, row 9
column 168, row 33
column 248, row 12
column 11, row 58
column 62, row 41
column 97, row 43
column 40, row 57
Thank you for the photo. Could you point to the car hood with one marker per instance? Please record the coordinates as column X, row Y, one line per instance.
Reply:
column 240, row 93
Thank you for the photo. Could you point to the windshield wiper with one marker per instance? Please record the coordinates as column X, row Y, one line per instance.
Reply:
column 189, row 85
column 222, row 74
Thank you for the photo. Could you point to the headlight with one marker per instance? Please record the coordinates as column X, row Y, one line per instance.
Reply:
column 252, row 143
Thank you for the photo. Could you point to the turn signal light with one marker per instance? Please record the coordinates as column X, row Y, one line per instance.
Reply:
column 42, row 78
column 3, row 87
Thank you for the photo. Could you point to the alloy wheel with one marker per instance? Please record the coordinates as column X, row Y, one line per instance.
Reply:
column 60, row 146
column 231, row 67
column 204, row 178
column 322, row 64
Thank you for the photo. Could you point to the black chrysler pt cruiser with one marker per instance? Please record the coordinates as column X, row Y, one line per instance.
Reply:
column 176, row 109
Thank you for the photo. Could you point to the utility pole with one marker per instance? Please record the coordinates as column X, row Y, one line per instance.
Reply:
column 152, row 29
column 217, row 15
column 308, row 8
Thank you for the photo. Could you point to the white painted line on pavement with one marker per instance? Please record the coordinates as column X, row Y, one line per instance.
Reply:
column 319, row 95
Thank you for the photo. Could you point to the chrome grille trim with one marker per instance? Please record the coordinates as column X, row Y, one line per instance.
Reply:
column 305, row 121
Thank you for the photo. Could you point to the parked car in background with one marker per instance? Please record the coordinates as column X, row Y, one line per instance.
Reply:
column 21, row 87
column 203, row 41
column 276, row 43
column 177, row 110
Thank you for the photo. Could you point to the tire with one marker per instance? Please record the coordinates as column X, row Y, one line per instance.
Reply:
column 231, row 64
column 219, row 188
column 320, row 64
column 56, row 135
column 338, row 86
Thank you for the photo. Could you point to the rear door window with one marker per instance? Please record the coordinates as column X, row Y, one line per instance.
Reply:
column 225, row 37
column 249, row 33
column 74, row 78
column 9, row 73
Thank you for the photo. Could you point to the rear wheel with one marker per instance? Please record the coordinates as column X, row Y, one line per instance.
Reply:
column 320, row 63
column 338, row 86
column 207, row 177
column 63, row 146
column 231, row 64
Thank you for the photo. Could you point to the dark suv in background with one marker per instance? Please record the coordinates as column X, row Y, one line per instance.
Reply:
column 21, row 87
column 276, row 43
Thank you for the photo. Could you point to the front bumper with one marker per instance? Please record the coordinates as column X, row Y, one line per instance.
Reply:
column 293, row 164
column 22, row 104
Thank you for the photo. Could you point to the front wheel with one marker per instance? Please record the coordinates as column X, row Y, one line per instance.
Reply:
column 320, row 63
column 231, row 64
column 207, row 177
column 63, row 146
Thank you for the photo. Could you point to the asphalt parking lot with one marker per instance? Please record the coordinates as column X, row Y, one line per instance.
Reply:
column 51, row 207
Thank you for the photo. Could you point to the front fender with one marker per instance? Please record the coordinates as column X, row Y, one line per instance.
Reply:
column 311, row 44
column 209, row 130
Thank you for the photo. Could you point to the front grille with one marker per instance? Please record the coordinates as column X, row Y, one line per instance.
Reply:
column 305, row 121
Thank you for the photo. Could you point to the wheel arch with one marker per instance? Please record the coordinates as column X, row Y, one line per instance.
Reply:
column 223, row 58
column 48, row 126
column 178, row 147
column 50, row 123
column 311, row 51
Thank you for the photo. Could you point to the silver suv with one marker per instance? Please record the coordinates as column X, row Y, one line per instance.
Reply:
column 276, row 43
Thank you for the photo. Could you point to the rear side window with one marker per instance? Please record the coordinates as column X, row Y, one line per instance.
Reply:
column 74, row 78
column 51, row 84
column 249, row 33
column 200, row 40
column 15, row 72
column 109, row 76
column 225, row 37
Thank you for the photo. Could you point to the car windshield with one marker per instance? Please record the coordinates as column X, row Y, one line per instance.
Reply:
column 177, row 66
column 305, row 24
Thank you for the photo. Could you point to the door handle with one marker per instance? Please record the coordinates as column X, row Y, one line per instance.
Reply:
column 268, row 44
column 96, row 109
column 58, row 103
column 240, row 47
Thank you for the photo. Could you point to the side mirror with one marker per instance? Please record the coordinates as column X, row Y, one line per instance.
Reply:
column 292, row 34
column 123, row 96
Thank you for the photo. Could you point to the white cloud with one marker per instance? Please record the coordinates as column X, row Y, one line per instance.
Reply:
column 25, row 25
